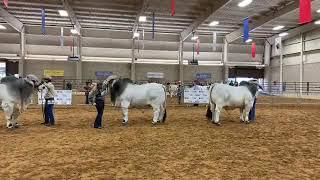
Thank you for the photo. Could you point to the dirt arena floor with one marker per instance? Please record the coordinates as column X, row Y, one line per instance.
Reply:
column 284, row 143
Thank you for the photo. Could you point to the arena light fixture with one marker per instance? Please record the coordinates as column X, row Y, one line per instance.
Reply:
column 248, row 40
column 244, row 3
column 318, row 11
column 214, row 23
column 73, row 31
column 194, row 38
column 317, row 22
column 283, row 34
column 136, row 35
column 277, row 28
column 2, row 27
column 142, row 18
column 63, row 13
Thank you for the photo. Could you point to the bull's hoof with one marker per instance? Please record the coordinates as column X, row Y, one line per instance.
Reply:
column 10, row 126
column 16, row 125
column 124, row 123
column 155, row 123
column 217, row 124
column 247, row 122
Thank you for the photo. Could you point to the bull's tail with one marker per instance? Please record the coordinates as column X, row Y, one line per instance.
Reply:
column 164, row 105
column 210, row 104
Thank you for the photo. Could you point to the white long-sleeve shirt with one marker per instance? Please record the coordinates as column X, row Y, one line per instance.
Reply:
column 50, row 92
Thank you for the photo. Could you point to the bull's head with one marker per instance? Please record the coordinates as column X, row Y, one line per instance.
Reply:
column 108, row 82
column 33, row 80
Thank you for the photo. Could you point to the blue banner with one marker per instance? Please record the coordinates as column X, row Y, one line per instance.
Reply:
column 103, row 74
column 43, row 21
column 203, row 76
column 245, row 29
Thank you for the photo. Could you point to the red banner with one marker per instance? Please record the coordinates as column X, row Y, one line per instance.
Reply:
column 305, row 11
column 173, row 7
column 6, row 3
column 253, row 50
column 198, row 46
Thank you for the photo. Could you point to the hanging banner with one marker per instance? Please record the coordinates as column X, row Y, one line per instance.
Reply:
column 245, row 29
column 198, row 46
column 6, row 3
column 53, row 73
column 305, row 11
column 214, row 41
column 153, row 21
column 63, row 97
column 61, row 38
column 43, row 21
column 278, row 46
column 253, row 50
column 173, row 7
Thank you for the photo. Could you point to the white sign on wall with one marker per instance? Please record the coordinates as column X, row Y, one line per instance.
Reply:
column 63, row 97
column 157, row 75
column 196, row 95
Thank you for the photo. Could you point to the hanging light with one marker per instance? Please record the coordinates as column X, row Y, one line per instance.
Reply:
column 277, row 28
column 73, row 31
column 136, row 35
column 2, row 27
column 248, row 40
column 244, row 3
column 214, row 23
column 142, row 18
column 194, row 38
column 63, row 13
column 283, row 34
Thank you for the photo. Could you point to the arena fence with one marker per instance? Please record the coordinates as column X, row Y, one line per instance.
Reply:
column 273, row 93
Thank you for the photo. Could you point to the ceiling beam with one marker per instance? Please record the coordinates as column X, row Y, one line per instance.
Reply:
column 72, row 16
column 263, row 20
column 204, row 16
column 10, row 19
column 295, row 31
column 141, row 11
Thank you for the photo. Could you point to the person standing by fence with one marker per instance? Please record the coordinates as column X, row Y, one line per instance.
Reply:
column 180, row 92
column 98, row 94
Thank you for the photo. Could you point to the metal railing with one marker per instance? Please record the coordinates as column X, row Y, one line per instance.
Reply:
column 285, row 88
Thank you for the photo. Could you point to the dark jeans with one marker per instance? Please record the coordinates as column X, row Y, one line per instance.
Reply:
column 252, row 113
column 87, row 98
column 100, row 108
column 48, row 115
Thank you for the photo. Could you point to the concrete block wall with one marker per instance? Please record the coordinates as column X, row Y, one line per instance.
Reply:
column 292, row 59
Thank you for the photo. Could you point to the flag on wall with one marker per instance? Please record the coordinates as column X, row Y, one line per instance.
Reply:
column 245, row 29
column 198, row 46
column 253, row 50
column 6, row 3
column 61, row 37
column 153, row 21
column 173, row 7
column 305, row 11
column 214, row 41
column 43, row 21
column 278, row 46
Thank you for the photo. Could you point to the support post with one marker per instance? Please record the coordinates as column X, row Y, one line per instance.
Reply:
column 22, row 52
column 267, row 72
column 181, row 61
column 225, row 74
column 133, row 65
column 301, row 64
column 281, row 69
column 79, row 63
